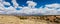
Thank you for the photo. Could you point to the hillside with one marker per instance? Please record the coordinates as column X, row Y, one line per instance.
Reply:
column 11, row 19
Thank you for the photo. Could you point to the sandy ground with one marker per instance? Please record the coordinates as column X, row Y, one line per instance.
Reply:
column 9, row 19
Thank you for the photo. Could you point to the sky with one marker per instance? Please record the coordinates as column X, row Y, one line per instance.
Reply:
column 30, row 7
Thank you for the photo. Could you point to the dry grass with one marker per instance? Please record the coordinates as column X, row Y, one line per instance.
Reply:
column 10, row 19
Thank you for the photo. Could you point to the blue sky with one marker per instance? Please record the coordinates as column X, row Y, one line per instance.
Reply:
column 29, row 7
column 39, row 2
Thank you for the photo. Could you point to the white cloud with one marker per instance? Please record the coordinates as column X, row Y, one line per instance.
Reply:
column 31, row 4
column 49, row 9
column 10, row 8
column 6, row 3
column 54, row 5
column 1, row 0
column 1, row 5
column 15, row 4
column 3, row 8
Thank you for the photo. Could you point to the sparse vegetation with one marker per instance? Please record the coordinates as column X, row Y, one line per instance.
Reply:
column 47, row 19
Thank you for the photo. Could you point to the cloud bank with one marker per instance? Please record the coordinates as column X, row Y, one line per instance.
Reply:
column 49, row 9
